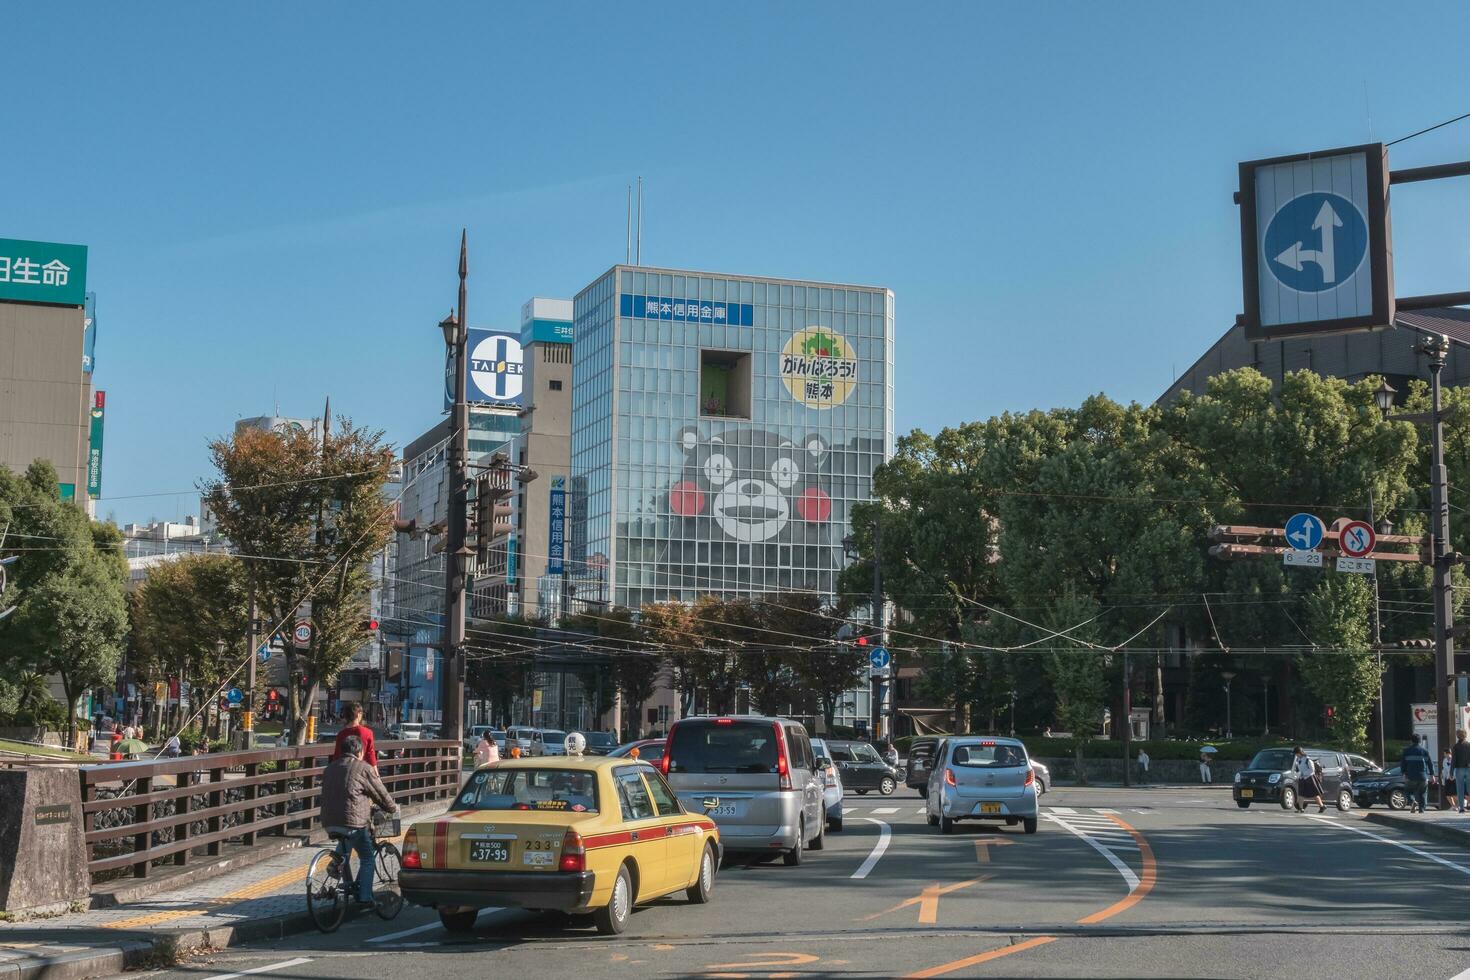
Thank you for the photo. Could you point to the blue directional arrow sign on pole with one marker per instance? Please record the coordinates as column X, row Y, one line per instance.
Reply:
column 880, row 658
column 1304, row 532
column 235, row 695
column 265, row 652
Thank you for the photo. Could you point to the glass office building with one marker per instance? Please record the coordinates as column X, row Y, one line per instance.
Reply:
column 722, row 429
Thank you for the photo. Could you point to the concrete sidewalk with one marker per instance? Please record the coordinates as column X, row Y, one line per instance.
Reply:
column 1449, row 826
column 263, row 901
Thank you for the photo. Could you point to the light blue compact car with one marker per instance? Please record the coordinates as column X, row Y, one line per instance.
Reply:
column 981, row 777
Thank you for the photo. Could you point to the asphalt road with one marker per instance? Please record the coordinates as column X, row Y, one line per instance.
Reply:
column 1117, row 883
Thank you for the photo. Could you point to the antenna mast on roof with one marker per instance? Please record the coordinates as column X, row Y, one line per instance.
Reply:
column 628, row 231
column 639, row 253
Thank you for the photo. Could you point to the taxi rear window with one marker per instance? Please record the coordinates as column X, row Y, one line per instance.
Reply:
column 573, row 791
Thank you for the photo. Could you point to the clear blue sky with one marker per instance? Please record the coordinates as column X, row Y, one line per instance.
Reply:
column 273, row 192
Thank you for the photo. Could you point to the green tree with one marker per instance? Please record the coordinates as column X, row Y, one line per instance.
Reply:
column 308, row 517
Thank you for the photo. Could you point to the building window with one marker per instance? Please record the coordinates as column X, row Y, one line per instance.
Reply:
column 724, row 384
column 555, row 384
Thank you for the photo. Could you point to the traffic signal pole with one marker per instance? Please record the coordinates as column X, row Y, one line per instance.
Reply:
column 1438, row 348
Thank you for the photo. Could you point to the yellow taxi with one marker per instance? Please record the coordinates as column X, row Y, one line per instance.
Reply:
column 569, row 833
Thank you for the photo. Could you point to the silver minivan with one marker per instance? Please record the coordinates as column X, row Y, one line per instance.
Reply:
column 756, row 776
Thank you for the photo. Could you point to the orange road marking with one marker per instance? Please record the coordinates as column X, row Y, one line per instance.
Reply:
column 983, row 845
column 757, row 961
column 994, row 954
column 1146, row 880
column 927, row 900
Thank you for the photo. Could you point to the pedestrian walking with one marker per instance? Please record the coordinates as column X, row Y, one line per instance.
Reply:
column 890, row 754
column 1205, row 776
column 1460, row 768
column 1308, row 780
column 172, row 747
column 1142, row 766
column 363, row 733
column 486, row 751
column 1417, row 768
column 1446, row 780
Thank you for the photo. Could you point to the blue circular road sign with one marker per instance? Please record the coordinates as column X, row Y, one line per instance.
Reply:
column 235, row 695
column 1315, row 242
column 1304, row 532
column 880, row 658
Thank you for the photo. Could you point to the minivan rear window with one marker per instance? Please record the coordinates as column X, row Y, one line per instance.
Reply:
column 737, row 746
column 989, row 756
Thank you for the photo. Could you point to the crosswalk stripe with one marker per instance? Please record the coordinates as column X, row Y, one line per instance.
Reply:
column 1061, row 809
column 886, row 809
column 1102, row 809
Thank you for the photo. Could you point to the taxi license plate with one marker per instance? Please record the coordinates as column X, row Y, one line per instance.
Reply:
column 726, row 810
column 1246, row 794
column 489, row 850
column 989, row 807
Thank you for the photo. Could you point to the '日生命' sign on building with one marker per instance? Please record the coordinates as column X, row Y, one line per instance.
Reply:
column 43, row 272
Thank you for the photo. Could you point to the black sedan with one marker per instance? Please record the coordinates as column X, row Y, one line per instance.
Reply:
column 1386, row 787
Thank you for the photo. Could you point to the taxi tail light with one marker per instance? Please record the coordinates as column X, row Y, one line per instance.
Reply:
column 1030, row 777
column 411, row 857
column 573, row 853
column 783, row 762
column 949, row 777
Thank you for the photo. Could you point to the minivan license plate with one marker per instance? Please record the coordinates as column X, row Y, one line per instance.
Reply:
column 726, row 810
column 489, row 850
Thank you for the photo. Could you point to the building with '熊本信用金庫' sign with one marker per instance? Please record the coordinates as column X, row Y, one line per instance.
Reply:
column 47, row 347
column 723, row 427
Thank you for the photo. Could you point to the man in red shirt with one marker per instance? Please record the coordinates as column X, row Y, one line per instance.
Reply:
column 356, row 727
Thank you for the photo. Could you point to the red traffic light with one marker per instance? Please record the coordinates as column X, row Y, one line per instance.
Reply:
column 371, row 625
column 862, row 641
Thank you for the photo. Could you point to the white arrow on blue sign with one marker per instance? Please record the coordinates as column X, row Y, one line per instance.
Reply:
column 1304, row 532
column 265, row 652
column 880, row 658
column 235, row 695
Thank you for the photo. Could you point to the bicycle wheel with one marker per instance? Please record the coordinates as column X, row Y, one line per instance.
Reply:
column 387, row 897
column 324, row 897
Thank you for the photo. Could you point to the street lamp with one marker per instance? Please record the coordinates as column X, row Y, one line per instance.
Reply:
column 450, row 326
column 1229, row 676
column 455, row 330
column 1384, row 396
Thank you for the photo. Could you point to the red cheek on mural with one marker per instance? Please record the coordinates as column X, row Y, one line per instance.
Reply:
column 686, row 499
column 814, row 505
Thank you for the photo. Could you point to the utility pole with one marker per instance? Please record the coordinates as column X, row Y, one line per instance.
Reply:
column 1127, row 718
column 247, row 716
column 1378, row 743
column 1438, row 348
column 880, row 626
column 456, row 335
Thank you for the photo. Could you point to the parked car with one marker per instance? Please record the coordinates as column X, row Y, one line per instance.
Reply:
column 920, row 762
column 1361, row 767
column 407, row 731
column 832, row 789
column 548, row 741
column 1043, row 776
column 649, row 749
column 1270, row 778
column 1385, row 786
column 982, row 778
column 755, row 775
column 600, row 743
column 862, row 768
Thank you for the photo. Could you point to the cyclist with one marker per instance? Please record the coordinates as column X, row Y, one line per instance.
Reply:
column 353, row 712
column 349, row 789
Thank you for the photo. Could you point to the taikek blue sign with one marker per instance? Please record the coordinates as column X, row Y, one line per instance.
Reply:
column 687, row 310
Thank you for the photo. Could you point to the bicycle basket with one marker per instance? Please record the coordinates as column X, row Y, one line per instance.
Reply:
column 386, row 824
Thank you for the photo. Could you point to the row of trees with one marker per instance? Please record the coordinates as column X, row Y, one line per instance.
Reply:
column 1026, row 550
column 781, row 649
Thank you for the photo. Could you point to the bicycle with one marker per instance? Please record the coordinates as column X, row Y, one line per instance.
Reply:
column 327, row 894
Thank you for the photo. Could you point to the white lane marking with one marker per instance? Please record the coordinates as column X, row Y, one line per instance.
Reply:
column 1061, row 809
column 1102, row 809
column 1464, row 975
column 886, row 809
column 1389, row 840
column 406, row 932
column 872, row 860
column 922, row 811
column 1143, row 811
column 262, row 969
column 1113, row 859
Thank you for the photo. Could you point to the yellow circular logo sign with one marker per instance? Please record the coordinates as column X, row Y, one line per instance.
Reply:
column 818, row 367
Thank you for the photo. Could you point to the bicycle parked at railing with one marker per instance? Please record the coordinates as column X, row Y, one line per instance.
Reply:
column 331, row 886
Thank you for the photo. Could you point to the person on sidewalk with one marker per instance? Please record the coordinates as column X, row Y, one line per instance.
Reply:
column 355, row 728
column 486, row 751
column 172, row 747
column 350, row 787
column 1417, row 768
column 1308, row 780
column 1446, row 781
column 1460, row 768
column 1142, row 766
column 1205, row 776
